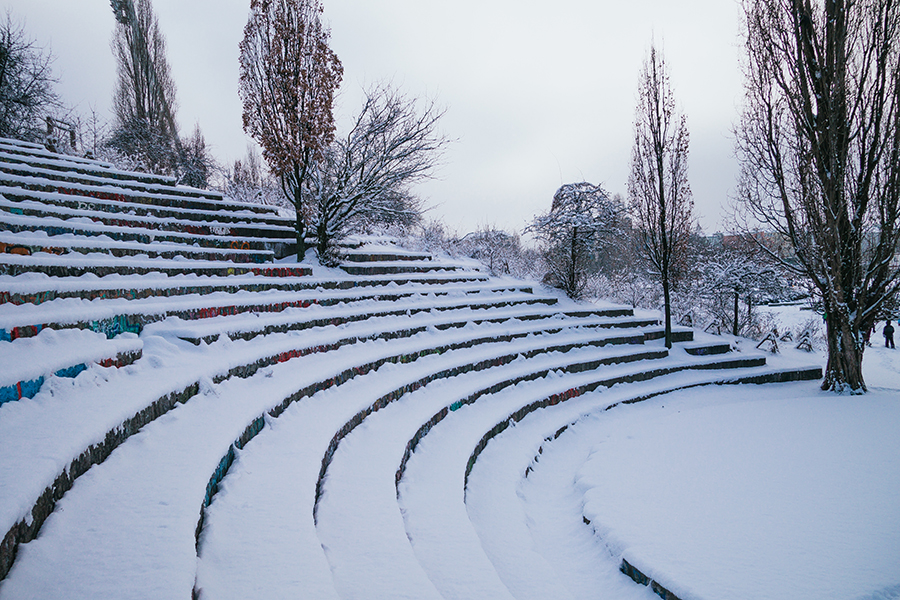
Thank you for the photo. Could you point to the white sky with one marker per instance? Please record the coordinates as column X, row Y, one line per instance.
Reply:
column 537, row 93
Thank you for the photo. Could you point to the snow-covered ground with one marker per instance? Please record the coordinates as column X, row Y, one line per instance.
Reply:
column 780, row 491
column 775, row 491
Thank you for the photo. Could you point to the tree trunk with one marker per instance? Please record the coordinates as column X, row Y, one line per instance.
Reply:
column 735, row 330
column 573, row 291
column 667, row 298
column 843, row 373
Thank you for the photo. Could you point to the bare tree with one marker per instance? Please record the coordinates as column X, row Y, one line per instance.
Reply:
column 368, row 172
column 26, row 84
column 819, row 143
column 658, row 188
column 583, row 220
column 144, row 101
column 288, row 79
column 196, row 164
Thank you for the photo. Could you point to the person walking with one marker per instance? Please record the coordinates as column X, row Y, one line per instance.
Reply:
column 888, row 335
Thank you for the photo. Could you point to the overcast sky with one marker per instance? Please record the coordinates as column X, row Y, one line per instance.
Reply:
column 537, row 93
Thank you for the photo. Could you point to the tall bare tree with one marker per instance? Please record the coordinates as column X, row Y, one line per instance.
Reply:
column 26, row 83
column 366, row 174
column 144, row 101
column 288, row 79
column 819, row 143
column 658, row 189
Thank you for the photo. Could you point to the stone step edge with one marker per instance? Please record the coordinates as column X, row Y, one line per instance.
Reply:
column 27, row 529
column 138, row 292
column 136, row 321
column 30, row 388
column 326, row 321
column 384, row 257
column 388, row 269
column 119, row 204
column 37, row 209
column 189, row 196
column 225, row 270
column 256, row 426
column 54, row 226
column 25, row 248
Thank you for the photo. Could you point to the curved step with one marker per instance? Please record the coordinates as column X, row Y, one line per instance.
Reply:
column 28, row 290
column 36, row 207
column 186, row 197
column 239, row 416
column 358, row 393
column 29, row 243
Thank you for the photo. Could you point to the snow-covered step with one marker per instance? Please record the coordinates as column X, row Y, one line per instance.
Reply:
column 100, row 199
column 35, row 153
column 39, row 156
column 85, row 415
column 101, row 264
column 28, row 363
column 191, row 362
column 37, row 208
column 36, row 289
column 28, row 243
column 131, row 312
column 164, row 196
column 518, row 490
column 397, row 267
column 351, row 392
column 54, row 226
column 482, row 307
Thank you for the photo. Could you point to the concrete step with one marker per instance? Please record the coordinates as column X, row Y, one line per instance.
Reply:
column 18, row 174
column 54, row 226
column 39, row 209
column 101, row 199
column 28, row 363
column 102, row 265
column 27, row 244
column 27, row 290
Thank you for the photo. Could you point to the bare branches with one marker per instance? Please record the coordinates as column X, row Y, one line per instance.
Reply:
column 657, row 186
column 26, row 84
column 392, row 145
column 144, row 101
column 818, row 144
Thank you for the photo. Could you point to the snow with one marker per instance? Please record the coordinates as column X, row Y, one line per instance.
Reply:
column 51, row 350
column 804, row 506
column 776, row 491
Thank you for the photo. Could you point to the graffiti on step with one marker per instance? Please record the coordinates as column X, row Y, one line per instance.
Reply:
column 28, row 250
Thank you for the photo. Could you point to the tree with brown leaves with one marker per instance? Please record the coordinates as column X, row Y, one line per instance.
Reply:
column 288, row 79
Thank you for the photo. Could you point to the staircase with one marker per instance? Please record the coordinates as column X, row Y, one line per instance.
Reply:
column 148, row 330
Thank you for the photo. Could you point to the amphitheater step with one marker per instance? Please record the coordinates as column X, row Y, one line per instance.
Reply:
column 28, row 290
column 387, row 268
column 102, row 200
column 103, row 265
column 33, row 154
column 183, row 226
column 28, row 363
column 195, row 363
column 27, row 244
column 18, row 174
column 54, row 226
